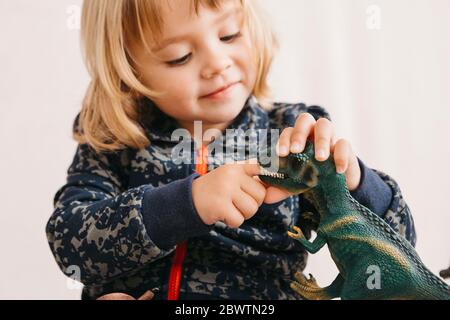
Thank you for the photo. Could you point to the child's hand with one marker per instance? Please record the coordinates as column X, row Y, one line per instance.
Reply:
column 123, row 296
column 229, row 193
column 322, row 133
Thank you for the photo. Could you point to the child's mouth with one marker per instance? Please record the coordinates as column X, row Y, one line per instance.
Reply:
column 221, row 93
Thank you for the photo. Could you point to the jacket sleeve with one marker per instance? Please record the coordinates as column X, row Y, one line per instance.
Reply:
column 107, row 230
column 398, row 215
column 377, row 191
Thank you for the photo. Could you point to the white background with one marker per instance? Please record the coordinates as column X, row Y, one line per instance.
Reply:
column 384, row 81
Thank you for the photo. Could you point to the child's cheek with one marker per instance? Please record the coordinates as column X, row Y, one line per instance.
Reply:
column 177, row 80
column 249, row 63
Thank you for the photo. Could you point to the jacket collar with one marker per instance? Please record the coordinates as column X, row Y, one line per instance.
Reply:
column 159, row 126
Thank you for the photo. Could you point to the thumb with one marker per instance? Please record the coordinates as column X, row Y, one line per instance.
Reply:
column 274, row 195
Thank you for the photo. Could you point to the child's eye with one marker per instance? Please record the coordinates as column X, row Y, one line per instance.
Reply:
column 231, row 37
column 184, row 60
column 180, row 61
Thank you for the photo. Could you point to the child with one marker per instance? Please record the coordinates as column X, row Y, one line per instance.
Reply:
column 133, row 219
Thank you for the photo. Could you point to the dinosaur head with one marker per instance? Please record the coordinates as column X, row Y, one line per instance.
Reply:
column 298, row 172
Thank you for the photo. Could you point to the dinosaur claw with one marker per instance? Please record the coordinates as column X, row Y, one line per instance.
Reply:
column 296, row 287
column 300, row 278
column 292, row 235
column 298, row 233
column 312, row 281
column 304, row 281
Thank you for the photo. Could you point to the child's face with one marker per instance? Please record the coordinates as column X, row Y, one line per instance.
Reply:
column 214, row 52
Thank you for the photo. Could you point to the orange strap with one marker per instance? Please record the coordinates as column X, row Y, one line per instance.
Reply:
column 202, row 161
column 201, row 168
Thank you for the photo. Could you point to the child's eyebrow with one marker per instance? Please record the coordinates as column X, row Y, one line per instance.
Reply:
column 165, row 42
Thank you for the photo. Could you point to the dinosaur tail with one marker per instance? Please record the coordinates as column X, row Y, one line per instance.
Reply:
column 434, row 288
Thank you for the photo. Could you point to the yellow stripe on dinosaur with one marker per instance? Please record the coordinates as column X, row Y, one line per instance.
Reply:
column 384, row 247
column 344, row 221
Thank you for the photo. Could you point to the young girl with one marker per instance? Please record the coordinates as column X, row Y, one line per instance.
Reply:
column 133, row 219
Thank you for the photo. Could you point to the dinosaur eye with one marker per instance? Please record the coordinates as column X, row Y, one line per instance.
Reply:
column 309, row 175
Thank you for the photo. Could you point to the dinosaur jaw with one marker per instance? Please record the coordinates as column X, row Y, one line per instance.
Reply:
column 274, row 175
column 277, row 179
column 282, row 181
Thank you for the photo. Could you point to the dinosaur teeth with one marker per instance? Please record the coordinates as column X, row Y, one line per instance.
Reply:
column 267, row 173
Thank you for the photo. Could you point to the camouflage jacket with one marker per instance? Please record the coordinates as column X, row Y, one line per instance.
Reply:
column 121, row 214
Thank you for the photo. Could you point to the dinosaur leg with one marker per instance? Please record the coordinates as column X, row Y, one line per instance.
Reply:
column 311, row 247
column 309, row 289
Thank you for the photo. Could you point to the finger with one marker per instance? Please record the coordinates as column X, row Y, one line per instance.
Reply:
column 147, row 296
column 334, row 139
column 255, row 189
column 303, row 127
column 116, row 296
column 266, row 185
column 251, row 169
column 248, row 161
column 246, row 205
column 274, row 195
column 284, row 142
column 323, row 132
column 341, row 155
column 233, row 218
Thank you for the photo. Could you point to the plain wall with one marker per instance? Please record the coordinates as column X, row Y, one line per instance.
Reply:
column 380, row 68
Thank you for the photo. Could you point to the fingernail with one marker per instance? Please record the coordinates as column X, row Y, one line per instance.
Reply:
column 296, row 147
column 283, row 150
column 321, row 154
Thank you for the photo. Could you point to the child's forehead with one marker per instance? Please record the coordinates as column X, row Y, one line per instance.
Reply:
column 156, row 20
column 176, row 13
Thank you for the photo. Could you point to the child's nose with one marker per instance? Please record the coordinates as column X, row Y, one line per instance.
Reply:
column 216, row 62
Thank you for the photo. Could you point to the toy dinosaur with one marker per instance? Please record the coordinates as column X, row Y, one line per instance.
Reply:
column 359, row 241
column 445, row 273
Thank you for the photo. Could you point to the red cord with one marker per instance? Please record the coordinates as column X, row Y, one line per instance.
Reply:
column 175, row 272
column 180, row 252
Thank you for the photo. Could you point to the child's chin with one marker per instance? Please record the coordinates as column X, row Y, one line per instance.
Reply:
column 220, row 118
column 226, row 111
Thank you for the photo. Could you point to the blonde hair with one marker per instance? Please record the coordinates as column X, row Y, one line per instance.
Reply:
column 109, row 118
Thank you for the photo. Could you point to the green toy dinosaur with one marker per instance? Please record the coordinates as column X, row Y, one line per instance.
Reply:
column 360, row 242
column 445, row 273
